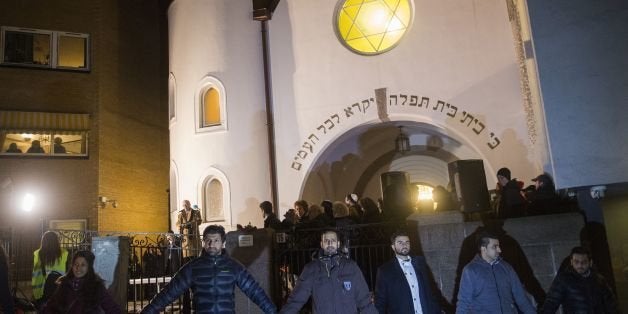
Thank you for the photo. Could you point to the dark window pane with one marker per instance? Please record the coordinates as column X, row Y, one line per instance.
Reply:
column 27, row 48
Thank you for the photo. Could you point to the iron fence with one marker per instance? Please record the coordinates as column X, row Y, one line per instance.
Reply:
column 368, row 245
column 155, row 257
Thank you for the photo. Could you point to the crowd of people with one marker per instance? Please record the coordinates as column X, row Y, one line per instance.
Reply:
column 331, row 280
column 36, row 147
column 514, row 199
column 304, row 215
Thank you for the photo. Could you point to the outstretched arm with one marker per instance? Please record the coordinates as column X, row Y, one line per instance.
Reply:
column 381, row 293
column 519, row 294
column 301, row 293
column 362, row 293
column 251, row 288
column 554, row 296
column 177, row 286
column 465, row 293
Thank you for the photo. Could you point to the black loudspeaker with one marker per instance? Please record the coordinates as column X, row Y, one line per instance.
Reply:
column 469, row 181
column 396, row 194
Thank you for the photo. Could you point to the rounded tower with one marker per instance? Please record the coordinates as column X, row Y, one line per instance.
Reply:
column 218, row 139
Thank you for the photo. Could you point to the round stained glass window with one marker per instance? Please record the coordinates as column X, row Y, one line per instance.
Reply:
column 372, row 27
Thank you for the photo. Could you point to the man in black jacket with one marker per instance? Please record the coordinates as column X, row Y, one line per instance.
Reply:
column 212, row 277
column 511, row 201
column 403, row 282
column 334, row 282
column 579, row 288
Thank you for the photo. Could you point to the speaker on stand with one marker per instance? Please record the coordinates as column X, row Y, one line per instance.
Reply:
column 469, row 181
column 396, row 194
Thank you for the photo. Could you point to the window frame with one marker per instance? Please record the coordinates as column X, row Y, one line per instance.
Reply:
column 55, row 36
column 205, row 178
column 50, row 154
column 172, row 98
column 205, row 85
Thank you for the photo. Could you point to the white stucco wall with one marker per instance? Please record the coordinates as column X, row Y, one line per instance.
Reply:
column 219, row 39
column 459, row 55
column 460, row 52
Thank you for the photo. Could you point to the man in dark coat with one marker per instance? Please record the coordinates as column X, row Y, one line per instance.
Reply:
column 579, row 288
column 511, row 201
column 212, row 277
column 334, row 282
column 270, row 219
column 403, row 282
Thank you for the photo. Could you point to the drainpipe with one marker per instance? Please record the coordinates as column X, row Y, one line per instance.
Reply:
column 262, row 11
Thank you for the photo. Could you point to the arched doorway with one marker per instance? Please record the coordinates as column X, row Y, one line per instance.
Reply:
column 353, row 162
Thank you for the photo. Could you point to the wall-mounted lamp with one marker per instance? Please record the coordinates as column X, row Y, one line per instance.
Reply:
column 103, row 202
column 598, row 192
column 402, row 142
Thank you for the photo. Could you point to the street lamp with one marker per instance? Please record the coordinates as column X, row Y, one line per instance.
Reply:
column 28, row 202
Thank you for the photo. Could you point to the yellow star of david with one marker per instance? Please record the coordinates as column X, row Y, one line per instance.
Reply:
column 373, row 26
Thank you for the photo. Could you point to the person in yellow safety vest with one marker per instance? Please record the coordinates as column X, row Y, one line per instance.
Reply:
column 52, row 256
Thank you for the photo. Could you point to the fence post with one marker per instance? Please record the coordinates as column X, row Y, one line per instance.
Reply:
column 112, row 265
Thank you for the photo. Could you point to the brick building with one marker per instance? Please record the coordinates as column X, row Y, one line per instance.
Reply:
column 94, row 75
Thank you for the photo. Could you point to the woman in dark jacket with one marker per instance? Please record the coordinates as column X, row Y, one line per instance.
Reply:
column 81, row 290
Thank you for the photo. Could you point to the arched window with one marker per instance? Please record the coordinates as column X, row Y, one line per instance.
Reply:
column 172, row 98
column 212, row 198
column 211, row 107
column 174, row 191
column 210, row 104
column 213, row 192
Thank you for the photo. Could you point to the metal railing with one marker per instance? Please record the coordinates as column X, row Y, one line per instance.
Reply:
column 368, row 245
column 153, row 260
column 155, row 257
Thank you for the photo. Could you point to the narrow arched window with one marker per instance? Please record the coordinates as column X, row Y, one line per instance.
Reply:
column 211, row 107
column 213, row 200
column 171, row 98
column 211, row 110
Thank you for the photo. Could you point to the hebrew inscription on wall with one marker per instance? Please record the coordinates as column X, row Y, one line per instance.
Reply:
column 381, row 104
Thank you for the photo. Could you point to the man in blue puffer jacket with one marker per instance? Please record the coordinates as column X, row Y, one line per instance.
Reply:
column 490, row 285
column 212, row 277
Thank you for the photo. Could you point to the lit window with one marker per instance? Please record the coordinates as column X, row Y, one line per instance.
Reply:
column 211, row 107
column 44, row 143
column 372, row 26
column 44, row 49
column 72, row 51
column 26, row 133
